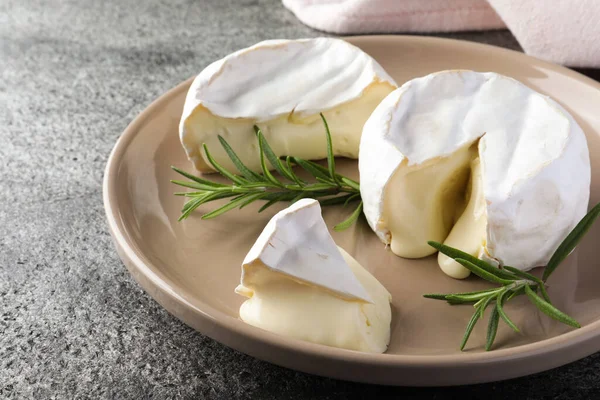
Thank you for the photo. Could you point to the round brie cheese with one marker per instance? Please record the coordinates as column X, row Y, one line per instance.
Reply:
column 281, row 86
column 478, row 161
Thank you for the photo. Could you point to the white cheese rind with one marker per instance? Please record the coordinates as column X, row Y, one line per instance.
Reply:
column 282, row 86
column 534, row 157
column 297, row 244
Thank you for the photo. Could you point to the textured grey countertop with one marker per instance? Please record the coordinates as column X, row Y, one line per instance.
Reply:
column 73, row 323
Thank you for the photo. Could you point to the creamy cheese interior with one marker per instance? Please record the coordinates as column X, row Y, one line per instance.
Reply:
column 469, row 232
column 295, row 135
column 440, row 200
column 307, row 312
column 422, row 202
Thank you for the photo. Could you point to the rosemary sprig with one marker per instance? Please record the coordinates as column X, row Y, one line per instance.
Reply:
column 248, row 186
column 513, row 282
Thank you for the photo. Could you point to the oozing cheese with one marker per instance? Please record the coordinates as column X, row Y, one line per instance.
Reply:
column 282, row 86
column 427, row 196
column 437, row 204
column 308, row 312
column 468, row 233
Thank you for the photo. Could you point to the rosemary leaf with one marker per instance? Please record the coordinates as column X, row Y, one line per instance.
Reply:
column 263, row 163
column 469, row 329
column 319, row 167
column 241, row 200
column 197, row 179
column 444, row 296
column 234, row 178
column 315, row 187
column 455, row 253
column 310, row 168
column 190, row 204
column 351, row 198
column 436, row 296
column 544, row 293
column 349, row 182
column 549, row 309
column 194, row 203
column 217, row 196
column 345, row 199
column 470, row 297
column 273, row 159
column 288, row 162
column 500, row 307
column 247, row 172
column 275, row 199
column 326, row 181
column 457, row 303
column 252, row 199
column 516, row 293
column 455, row 300
column 571, row 241
column 484, row 303
column 522, row 274
column 298, row 197
column 480, row 272
column 264, row 185
column 193, row 185
column 350, row 220
column 330, row 157
column 492, row 329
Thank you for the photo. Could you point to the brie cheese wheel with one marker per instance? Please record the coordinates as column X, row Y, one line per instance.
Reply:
column 282, row 86
column 478, row 161
column 300, row 284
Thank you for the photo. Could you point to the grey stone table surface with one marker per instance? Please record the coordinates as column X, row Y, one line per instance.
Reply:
column 73, row 323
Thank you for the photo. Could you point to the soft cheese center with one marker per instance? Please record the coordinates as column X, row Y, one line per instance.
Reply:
column 309, row 312
column 468, row 234
column 422, row 202
column 441, row 200
column 294, row 134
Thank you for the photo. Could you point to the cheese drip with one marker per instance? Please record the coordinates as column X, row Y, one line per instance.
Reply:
column 441, row 200
column 468, row 233
column 308, row 312
column 422, row 202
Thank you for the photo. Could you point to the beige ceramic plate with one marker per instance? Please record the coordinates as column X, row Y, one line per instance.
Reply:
column 192, row 267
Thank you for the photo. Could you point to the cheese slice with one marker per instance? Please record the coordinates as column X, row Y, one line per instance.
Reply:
column 300, row 284
column 526, row 156
column 282, row 86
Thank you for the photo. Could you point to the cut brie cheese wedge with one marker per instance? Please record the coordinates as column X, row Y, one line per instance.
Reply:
column 477, row 160
column 282, row 86
column 300, row 284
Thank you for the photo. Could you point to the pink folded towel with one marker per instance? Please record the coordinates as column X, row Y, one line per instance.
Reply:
column 562, row 31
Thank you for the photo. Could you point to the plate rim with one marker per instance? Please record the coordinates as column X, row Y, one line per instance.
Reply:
column 571, row 345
